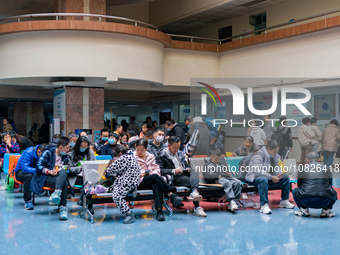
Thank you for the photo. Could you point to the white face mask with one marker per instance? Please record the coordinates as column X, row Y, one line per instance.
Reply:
column 160, row 139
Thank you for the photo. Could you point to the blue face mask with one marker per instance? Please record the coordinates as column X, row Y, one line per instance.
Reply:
column 188, row 126
column 112, row 141
column 82, row 149
column 63, row 153
column 105, row 139
column 132, row 121
column 72, row 144
column 168, row 129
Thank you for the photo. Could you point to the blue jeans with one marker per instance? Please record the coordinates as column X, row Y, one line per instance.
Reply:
column 263, row 184
column 313, row 202
column 328, row 157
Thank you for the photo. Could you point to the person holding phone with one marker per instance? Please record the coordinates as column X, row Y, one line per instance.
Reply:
column 264, row 172
column 150, row 178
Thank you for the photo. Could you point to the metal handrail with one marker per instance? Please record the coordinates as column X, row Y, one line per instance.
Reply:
column 136, row 23
column 57, row 15
column 282, row 24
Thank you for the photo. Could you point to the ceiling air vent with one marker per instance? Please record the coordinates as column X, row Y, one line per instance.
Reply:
column 252, row 3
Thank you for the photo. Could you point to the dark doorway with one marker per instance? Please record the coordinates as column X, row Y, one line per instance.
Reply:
column 225, row 32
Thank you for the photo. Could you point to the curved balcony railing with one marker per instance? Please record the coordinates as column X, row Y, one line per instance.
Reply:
column 100, row 18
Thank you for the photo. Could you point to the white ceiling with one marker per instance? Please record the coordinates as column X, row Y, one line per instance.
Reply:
column 223, row 12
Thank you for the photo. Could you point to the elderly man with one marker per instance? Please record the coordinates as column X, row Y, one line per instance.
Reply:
column 264, row 172
column 315, row 188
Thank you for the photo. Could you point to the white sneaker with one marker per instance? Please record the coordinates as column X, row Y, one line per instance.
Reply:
column 232, row 206
column 265, row 209
column 304, row 212
column 327, row 213
column 200, row 212
column 286, row 204
column 195, row 196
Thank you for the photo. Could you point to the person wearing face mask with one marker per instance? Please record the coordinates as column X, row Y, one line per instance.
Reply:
column 83, row 133
column 102, row 140
column 264, row 172
column 73, row 139
column 124, row 138
column 109, row 148
column 51, row 172
column 25, row 169
column 156, row 144
column 174, row 129
column 248, row 146
column 187, row 122
column 133, row 126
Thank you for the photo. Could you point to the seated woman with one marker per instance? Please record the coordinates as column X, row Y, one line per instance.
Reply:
column 21, row 140
column 125, row 171
column 81, row 152
column 150, row 178
column 7, row 146
column 124, row 138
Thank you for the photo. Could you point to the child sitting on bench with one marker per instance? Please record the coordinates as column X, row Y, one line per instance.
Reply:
column 216, row 171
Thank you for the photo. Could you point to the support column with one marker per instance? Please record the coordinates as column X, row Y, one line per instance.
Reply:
column 25, row 114
column 84, row 109
column 80, row 6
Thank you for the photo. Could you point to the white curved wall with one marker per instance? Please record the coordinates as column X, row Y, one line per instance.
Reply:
column 305, row 56
column 80, row 53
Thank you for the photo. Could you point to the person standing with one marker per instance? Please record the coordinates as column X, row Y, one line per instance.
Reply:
column 7, row 126
column 269, row 127
column 286, row 144
column 133, row 126
column 330, row 140
column 259, row 135
column 305, row 137
column 317, row 132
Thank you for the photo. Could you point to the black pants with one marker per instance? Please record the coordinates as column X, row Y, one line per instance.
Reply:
column 189, row 180
column 59, row 182
column 158, row 186
column 26, row 179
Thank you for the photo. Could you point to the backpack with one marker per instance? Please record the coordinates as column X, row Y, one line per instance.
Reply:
column 278, row 137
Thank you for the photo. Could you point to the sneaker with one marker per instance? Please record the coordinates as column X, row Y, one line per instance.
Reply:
column 265, row 209
column 304, row 212
column 55, row 197
column 129, row 218
column 327, row 213
column 29, row 205
column 199, row 212
column 160, row 216
column 232, row 206
column 176, row 201
column 286, row 204
column 195, row 196
column 63, row 213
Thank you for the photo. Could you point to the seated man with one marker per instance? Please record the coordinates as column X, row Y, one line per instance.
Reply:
column 248, row 146
column 148, row 135
column 156, row 144
column 109, row 148
column 264, row 172
column 102, row 140
column 25, row 169
column 172, row 162
column 50, row 173
column 315, row 188
column 216, row 170
column 214, row 143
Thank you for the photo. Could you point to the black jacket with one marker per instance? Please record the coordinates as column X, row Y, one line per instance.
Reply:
column 315, row 183
column 165, row 162
column 107, row 150
column 178, row 131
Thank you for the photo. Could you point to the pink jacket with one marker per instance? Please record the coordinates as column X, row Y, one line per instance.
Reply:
column 148, row 164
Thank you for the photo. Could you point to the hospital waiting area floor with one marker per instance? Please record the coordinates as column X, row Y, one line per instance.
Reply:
column 245, row 232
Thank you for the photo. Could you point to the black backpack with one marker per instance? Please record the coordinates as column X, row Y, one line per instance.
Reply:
column 278, row 137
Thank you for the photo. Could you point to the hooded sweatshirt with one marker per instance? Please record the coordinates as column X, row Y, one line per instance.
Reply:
column 259, row 135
